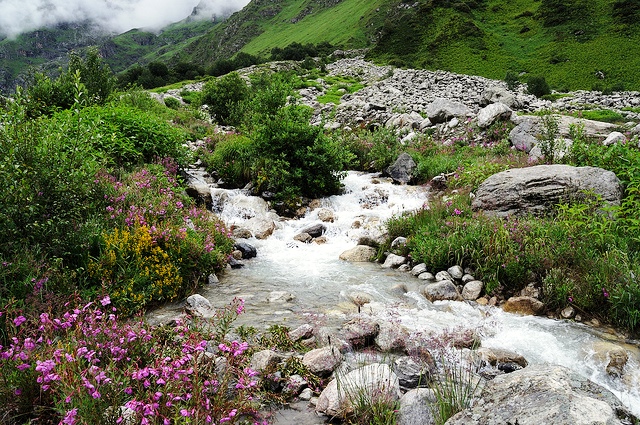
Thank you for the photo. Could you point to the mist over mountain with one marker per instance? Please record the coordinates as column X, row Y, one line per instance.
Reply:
column 113, row 16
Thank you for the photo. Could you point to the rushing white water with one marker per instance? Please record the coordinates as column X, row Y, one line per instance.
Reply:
column 292, row 283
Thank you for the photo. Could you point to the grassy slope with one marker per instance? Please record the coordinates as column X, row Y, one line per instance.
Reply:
column 138, row 46
column 341, row 25
column 510, row 36
column 487, row 40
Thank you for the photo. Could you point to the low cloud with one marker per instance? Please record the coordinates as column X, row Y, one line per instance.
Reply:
column 18, row 16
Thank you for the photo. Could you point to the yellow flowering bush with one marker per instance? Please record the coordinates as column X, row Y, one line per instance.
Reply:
column 160, row 246
column 135, row 271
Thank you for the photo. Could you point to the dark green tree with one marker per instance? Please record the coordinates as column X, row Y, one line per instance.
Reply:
column 627, row 11
column 223, row 96
column 95, row 74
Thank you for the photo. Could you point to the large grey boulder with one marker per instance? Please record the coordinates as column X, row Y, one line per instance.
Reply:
column 198, row 306
column 492, row 113
column 495, row 94
column 536, row 189
column 374, row 380
column 442, row 110
column 523, row 136
column 401, row 171
column 322, row 361
column 543, row 394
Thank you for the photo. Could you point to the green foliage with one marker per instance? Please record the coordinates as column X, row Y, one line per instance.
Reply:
column 230, row 156
column 549, row 142
column 627, row 11
column 512, row 80
column 130, row 135
column 46, row 96
column 339, row 87
column 223, row 96
column 46, row 189
column 538, row 86
column 171, row 102
column 95, row 74
column 558, row 12
column 158, row 74
column 371, row 150
column 241, row 60
column 295, row 158
column 86, row 81
column 605, row 115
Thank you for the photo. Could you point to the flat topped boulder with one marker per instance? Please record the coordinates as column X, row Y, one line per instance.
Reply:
column 543, row 395
column 536, row 189
column 442, row 110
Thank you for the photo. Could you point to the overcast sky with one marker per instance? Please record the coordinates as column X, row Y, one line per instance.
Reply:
column 18, row 16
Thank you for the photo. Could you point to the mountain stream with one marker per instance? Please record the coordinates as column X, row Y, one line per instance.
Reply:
column 290, row 283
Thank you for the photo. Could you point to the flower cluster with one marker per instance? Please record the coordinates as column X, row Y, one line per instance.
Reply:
column 161, row 245
column 89, row 367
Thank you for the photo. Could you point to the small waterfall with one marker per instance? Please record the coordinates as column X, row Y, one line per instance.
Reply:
column 292, row 282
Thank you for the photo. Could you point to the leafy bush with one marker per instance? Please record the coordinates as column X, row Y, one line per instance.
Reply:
column 295, row 158
column 231, row 157
column 223, row 96
column 47, row 193
column 538, row 86
column 129, row 132
column 626, row 11
column 512, row 80
column 287, row 156
column 94, row 73
column 171, row 102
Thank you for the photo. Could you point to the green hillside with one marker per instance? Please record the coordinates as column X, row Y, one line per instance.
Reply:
column 589, row 45
column 137, row 46
column 574, row 45
column 47, row 49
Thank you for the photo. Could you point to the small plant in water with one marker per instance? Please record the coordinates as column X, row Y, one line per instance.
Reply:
column 456, row 383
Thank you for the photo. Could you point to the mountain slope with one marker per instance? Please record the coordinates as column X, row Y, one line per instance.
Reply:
column 585, row 49
column 47, row 49
column 264, row 24
column 575, row 45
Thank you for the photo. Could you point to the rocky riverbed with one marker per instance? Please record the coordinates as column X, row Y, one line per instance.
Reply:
column 402, row 340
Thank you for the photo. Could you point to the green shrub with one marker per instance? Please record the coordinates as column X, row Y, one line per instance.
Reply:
column 171, row 102
column 46, row 181
column 512, row 80
column 295, row 158
column 223, row 96
column 538, row 86
column 128, row 133
column 231, row 157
